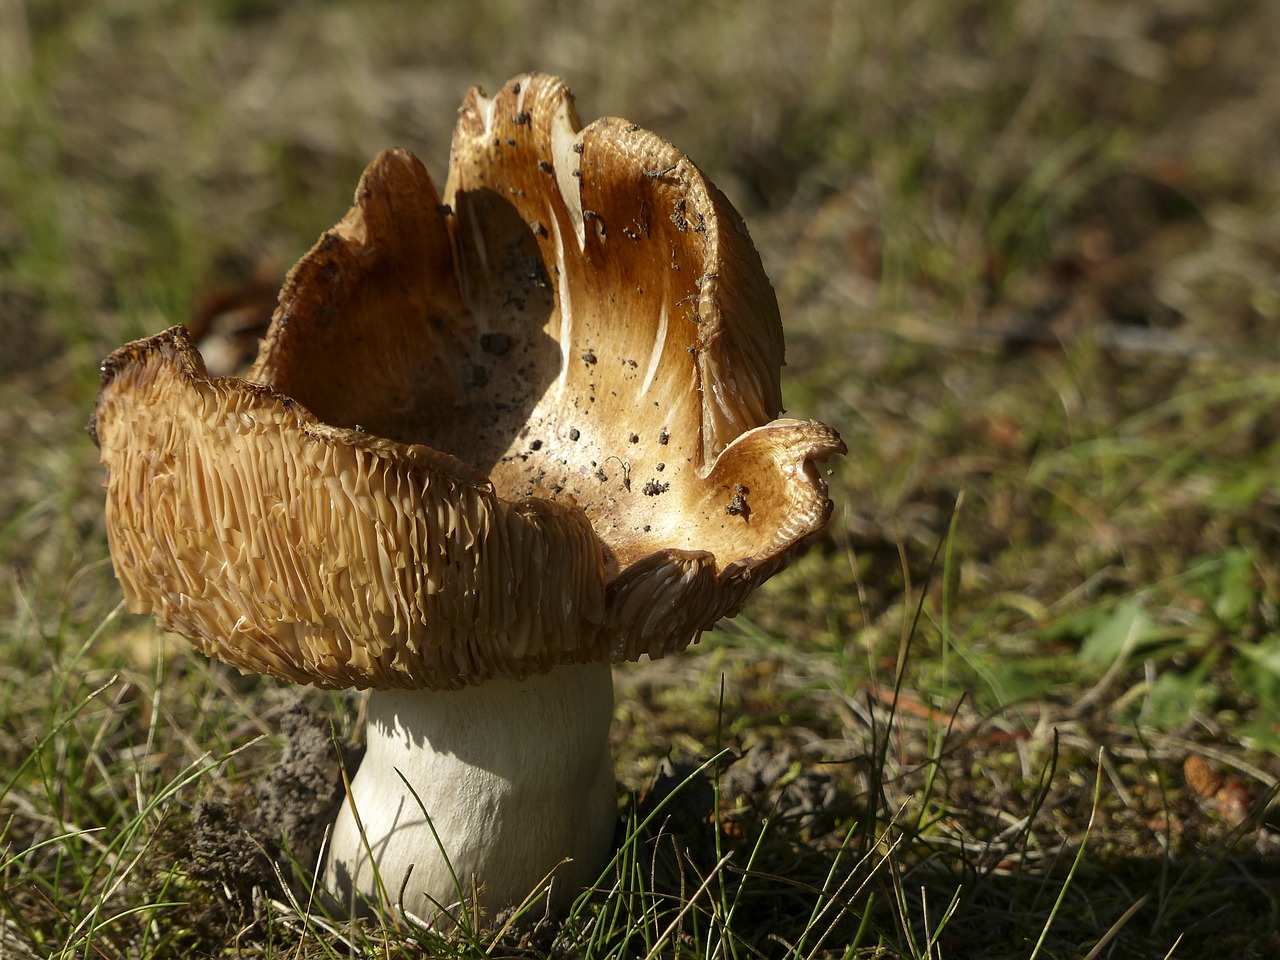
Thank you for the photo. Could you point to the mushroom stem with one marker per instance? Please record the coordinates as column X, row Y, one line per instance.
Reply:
column 516, row 777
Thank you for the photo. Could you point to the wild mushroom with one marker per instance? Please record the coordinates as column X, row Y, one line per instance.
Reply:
column 490, row 445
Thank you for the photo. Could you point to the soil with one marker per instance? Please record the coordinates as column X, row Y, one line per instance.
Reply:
column 244, row 844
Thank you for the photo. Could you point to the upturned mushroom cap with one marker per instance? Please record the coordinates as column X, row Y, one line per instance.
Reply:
column 531, row 423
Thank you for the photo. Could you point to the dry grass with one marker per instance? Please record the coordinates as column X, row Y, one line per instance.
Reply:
column 1029, row 262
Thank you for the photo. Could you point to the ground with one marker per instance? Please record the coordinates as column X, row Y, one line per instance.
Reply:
column 1020, row 700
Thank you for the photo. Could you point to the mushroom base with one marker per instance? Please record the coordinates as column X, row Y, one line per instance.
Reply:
column 516, row 778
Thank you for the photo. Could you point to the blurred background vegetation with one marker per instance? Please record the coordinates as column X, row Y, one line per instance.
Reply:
column 1028, row 260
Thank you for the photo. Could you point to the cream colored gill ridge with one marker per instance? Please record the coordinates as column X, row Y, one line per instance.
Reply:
column 660, row 338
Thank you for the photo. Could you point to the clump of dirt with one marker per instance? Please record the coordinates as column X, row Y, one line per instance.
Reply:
column 760, row 769
column 709, row 823
column 244, row 845
column 767, row 781
column 531, row 933
column 770, row 777
column 225, row 854
column 303, row 792
column 679, row 794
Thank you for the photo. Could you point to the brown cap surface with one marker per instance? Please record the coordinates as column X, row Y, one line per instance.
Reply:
column 530, row 422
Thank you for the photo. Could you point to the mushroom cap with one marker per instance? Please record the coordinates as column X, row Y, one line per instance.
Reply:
column 533, row 422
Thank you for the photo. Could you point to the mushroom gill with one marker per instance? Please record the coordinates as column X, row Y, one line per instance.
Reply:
column 540, row 411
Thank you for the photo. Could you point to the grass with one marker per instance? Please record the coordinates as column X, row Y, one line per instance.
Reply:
column 1020, row 702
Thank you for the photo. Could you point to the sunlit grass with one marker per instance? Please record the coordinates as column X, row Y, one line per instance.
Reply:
column 1019, row 270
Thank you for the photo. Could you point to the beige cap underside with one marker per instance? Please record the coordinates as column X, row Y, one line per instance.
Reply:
column 530, row 423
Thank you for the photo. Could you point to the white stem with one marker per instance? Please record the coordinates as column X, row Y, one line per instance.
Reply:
column 516, row 776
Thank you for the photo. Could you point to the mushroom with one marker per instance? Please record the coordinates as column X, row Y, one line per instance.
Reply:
column 491, row 444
